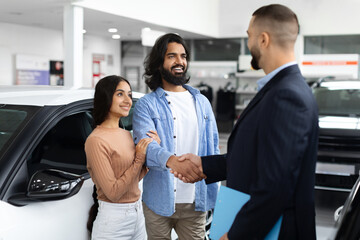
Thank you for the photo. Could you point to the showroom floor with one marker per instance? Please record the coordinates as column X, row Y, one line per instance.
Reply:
column 326, row 202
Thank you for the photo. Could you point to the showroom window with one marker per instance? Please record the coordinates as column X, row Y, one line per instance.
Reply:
column 339, row 44
column 246, row 49
column 132, row 49
column 226, row 49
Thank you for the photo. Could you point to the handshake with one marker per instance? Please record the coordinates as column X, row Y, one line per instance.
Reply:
column 187, row 167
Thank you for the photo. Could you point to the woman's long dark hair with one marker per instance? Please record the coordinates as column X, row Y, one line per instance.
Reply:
column 155, row 59
column 104, row 91
column 93, row 211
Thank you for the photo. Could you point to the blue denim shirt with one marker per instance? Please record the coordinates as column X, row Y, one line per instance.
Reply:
column 152, row 112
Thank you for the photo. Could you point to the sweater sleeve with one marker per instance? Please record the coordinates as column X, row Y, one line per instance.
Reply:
column 143, row 172
column 98, row 156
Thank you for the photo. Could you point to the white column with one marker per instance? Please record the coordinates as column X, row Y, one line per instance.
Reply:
column 73, row 45
column 299, row 48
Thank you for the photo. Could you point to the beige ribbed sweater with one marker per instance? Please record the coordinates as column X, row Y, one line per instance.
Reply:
column 111, row 162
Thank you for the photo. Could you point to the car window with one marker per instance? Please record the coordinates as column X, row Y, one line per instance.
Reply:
column 12, row 120
column 63, row 146
column 338, row 102
column 126, row 122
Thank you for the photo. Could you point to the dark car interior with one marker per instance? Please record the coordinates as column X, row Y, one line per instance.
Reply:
column 10, row 120
column 63, row 146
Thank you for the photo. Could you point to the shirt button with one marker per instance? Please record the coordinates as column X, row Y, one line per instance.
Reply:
column 174, row 136
column 174, row 154
column 168, row 102
column 174, row 118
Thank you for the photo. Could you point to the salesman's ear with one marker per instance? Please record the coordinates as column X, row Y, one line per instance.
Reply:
column 264, row 39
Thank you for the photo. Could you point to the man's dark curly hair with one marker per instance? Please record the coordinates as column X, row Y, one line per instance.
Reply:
column 155, row 59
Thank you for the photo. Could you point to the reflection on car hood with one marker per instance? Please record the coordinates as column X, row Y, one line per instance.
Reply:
column 43, row 96
column 339, row 122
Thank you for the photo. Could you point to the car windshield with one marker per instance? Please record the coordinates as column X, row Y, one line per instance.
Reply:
column 12, row 120
column 338, row 101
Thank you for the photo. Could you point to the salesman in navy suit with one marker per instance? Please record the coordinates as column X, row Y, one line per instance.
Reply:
column 272, row 149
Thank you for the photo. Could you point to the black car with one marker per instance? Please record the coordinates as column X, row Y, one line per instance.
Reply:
column 338, row 162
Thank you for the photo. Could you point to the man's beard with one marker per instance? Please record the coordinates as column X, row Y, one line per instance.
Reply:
column 179, row 79
column 255, row 59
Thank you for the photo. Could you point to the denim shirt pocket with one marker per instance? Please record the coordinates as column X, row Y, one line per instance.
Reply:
column 158, row 118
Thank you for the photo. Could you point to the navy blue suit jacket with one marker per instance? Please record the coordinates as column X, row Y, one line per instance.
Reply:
column 271, row 156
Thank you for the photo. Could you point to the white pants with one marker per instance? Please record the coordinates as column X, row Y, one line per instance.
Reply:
column 119, row 221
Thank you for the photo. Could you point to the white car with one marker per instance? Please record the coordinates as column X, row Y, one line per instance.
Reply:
column 45, row 189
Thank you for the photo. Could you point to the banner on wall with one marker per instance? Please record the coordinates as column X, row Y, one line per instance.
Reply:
column 32, row 70
column 98, row 67
column 56, row 73
column 336, row 65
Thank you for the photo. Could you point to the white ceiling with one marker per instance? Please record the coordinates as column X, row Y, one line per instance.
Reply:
column 49, row 14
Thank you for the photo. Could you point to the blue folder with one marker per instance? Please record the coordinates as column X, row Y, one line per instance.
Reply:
column 228, row 204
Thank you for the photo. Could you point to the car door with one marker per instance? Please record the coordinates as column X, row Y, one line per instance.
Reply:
column 53, row 139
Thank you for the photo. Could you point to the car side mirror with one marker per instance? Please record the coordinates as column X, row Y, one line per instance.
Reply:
column 49, row 184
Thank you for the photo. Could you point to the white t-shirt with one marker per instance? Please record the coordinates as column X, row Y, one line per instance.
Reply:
column 186, row 134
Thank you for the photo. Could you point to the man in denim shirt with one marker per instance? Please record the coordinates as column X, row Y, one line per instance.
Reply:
column 184, row 121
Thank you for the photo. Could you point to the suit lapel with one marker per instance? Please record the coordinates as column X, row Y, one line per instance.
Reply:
column 250, row 106
column 261, row 94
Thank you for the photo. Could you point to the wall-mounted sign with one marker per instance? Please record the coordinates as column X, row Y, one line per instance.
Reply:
column 56, row 73
column 98, row 67
column 32, row 70
column 336, row 65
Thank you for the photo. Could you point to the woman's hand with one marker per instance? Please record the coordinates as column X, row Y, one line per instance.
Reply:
column 140, row 150
column 154, row 135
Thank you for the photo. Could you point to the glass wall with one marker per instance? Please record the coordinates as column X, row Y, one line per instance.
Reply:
column 226, row 49
column 131, row 49
column 229, row 49
column 339, row 44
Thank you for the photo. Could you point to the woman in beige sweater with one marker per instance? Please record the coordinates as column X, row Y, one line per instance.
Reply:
column 115, row 165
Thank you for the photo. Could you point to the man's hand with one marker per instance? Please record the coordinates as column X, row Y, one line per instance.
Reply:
column 188, row 171
column 196, row 160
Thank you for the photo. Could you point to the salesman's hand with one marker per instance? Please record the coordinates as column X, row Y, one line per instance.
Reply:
column 194, row 159
column 188, row 170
